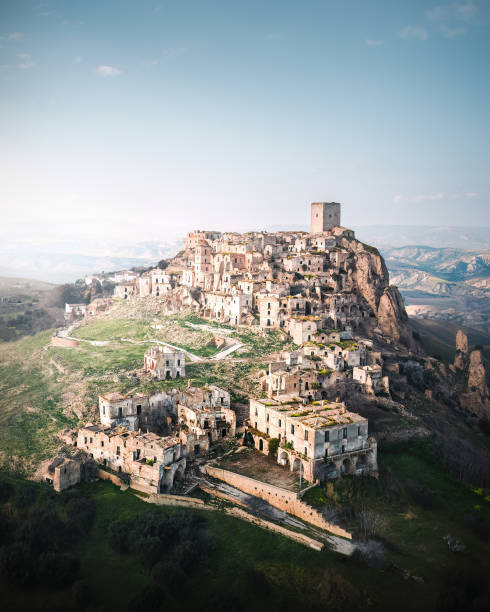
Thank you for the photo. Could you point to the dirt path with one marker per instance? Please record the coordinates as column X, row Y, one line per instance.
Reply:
column 227, row 351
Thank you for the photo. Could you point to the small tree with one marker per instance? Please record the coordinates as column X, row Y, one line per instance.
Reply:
column 273, row 446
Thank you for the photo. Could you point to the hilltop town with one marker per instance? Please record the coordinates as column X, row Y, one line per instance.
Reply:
column 324, row 290
column 343, row 343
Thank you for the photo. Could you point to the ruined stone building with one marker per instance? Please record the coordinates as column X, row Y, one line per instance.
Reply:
column 371, row 378
column 323, row 439
column 63, row 473
column 153, row 462
column 163, row 362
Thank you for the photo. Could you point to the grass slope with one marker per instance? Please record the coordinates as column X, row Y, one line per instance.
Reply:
column 44, row 389
column 250, row 569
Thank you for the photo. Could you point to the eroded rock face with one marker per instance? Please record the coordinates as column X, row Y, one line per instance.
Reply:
column 369, row 273
column 461, row 358
column 392, row 316
column 370, row 278
column 462, row 342
column 477, row 398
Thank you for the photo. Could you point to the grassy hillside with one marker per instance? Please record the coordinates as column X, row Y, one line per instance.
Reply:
column 44, row 389
column 248, row 568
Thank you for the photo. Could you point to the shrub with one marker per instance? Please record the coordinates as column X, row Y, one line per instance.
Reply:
column 6, row 491
column 118, row 536
column 16, row 565
column 273, row 446
column 81, row 512
column 81, row 594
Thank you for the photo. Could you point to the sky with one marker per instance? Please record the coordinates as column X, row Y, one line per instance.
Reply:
column 132, row 121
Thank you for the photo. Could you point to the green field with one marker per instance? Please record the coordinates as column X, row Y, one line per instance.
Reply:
column 44, row 389
column 252, row 569
column 411, row 508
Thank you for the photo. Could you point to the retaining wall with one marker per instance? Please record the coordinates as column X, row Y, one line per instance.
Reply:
column 277, row 497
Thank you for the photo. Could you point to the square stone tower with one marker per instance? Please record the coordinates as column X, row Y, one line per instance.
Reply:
column 324, row 216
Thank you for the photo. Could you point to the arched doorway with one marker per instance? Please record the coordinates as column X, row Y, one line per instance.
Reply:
column 283, row 459
column 346, row 466
column 261, row 444
column 179, row 475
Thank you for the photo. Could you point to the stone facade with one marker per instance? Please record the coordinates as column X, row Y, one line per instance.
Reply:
column 63, row 473
column 152, row 462
column 322, row 438
column 324, row 216
column 163, row 362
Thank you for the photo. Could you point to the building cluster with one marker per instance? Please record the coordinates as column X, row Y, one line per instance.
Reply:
column 298, row 283
column 149, row 438
column 294, row 281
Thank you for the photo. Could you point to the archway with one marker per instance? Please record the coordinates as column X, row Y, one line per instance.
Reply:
column 283, row 459
column 178, row 475
column 261, row 444
column 346, row 466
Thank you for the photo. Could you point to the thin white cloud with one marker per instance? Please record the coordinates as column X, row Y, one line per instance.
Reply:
column 471, row 194
column 417, row 32
column 15, row 36
column 457, row 11
column 108, row 71
column 427, row 197
column 78, row 59
column 397, row 199
column 26, row 62
column 373, row 43
column 153, row 62
column 453, row 19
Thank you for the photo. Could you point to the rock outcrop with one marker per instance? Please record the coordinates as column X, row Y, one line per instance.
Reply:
column 368, row 275
column 473, row 391
column 477, row 397
column 461, row 358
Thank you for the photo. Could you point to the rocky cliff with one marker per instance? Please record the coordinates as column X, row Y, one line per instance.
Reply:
column 367, row 273
column 474, row 393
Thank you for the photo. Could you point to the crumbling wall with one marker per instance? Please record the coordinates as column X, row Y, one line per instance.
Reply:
column 277, row 497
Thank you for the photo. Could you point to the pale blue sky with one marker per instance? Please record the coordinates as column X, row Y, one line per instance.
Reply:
column 136, row 119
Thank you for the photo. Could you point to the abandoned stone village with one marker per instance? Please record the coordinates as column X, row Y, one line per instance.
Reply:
column 325, row 291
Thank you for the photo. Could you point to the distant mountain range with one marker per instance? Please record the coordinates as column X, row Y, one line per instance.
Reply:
column 449, row 284
column 443, row 272
column 62, row 267
column 465, row 238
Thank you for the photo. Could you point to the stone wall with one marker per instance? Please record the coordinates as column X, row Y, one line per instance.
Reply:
column 114, row 478
column 66, row 475
column 277, row 497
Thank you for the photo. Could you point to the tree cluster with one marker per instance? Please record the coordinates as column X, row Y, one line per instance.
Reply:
column 168, row 545
column 39, row 536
